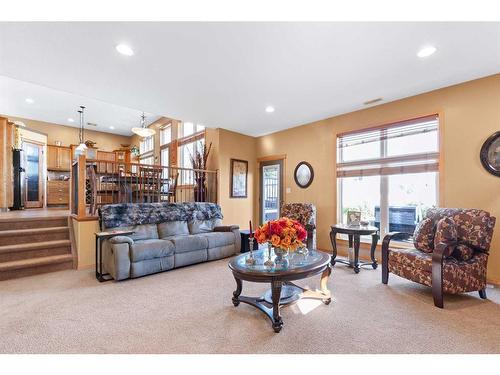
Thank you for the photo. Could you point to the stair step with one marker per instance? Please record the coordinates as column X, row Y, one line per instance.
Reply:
column 18, row 236
column 28, row 267
column 34, row 246
column 7, row 224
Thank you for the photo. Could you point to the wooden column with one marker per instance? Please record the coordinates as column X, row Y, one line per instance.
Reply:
column 80, row 174
column 6, row 170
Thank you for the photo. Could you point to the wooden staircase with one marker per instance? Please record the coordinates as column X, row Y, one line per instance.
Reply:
column 34, row 245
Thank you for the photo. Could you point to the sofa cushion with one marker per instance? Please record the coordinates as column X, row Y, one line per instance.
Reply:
column 462, row 252
column 467, row 276
column 150, row 249
column 411, row 258
column 446, row 231
column 203, row 226
column 474, row 227
column 190, row 257
column 423, row 237
column 173, row 228
column 141, row 232
column 221, row 252
column 184, row 244
column 149, row 266
column 217, row 239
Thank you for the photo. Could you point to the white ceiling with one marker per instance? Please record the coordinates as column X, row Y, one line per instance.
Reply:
column 225, row 74
column 57, row 107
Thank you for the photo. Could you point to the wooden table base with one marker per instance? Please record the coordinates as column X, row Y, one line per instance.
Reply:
column 271, row 302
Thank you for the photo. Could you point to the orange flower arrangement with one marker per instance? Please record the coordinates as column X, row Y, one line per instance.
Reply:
column 284, row 233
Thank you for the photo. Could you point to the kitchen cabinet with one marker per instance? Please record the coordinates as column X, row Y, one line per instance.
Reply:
column 58, row 158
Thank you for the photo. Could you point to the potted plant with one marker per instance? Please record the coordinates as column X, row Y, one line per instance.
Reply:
column 199, row 162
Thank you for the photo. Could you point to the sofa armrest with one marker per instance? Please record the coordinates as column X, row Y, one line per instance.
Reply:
column 235, row 230
column 441, row 251
column 121, row 239
column 397, row 236
column 226, row 228
column 385, row 251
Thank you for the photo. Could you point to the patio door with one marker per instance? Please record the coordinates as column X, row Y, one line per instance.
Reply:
column 270, row 189
column 33, row 182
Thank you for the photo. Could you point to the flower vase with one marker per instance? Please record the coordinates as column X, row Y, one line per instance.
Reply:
column 281, row 260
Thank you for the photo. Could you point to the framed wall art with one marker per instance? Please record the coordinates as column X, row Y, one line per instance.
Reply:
column 239, row 179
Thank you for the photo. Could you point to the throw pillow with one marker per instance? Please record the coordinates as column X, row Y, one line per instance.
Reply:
column 446, row 231
column 423, row 237
column 462, row 252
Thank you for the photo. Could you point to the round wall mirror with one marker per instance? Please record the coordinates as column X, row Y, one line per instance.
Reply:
column 490, row 154
column 303, row 174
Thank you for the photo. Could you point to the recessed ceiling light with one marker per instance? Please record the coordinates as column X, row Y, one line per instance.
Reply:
column 269, row 109
column 124, row 49
column 71, row 120
column 29, row 100
column 426, row 51
column 111, row 127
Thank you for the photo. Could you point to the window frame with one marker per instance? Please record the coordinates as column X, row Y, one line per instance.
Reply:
column 384, row 179
column 163, row 129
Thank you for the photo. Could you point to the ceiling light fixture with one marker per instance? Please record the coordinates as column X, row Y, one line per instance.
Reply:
column 426, row 51
column 82, row 147
column 124, row 49
column 143, row 131
column 269, row 109
column 29, row 100
column 71, row 120
column 112, row 127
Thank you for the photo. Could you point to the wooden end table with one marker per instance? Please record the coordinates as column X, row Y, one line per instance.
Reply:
column 354, row 233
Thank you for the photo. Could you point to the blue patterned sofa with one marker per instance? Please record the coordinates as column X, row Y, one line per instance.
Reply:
column 166, row 236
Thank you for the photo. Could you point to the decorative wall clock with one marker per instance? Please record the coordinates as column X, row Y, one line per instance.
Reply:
column 490, row 154
column 303, row 174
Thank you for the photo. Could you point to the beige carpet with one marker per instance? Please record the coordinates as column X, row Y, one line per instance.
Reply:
column 189, row 310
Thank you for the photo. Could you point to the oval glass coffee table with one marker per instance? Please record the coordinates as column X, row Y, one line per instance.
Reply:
column 283, row 292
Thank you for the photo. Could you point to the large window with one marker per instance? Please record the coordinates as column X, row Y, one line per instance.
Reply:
column 187, row 129
column 390, row 174
column 191, row 140
column 166, row 135
column 146, row 145
column 149, row 160
column 186, row 151
column 146, row 148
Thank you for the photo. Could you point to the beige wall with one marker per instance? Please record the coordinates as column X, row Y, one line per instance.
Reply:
column 227, row 145
column 69, row 135
column 469, row 113
column 83, row 232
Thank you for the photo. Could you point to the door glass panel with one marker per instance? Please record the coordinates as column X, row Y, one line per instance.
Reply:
column 270, row 192
column 32, row 172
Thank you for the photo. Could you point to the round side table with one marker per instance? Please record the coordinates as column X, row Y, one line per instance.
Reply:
column 354, row 233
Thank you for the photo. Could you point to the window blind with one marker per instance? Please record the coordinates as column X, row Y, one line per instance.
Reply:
column 417, row 157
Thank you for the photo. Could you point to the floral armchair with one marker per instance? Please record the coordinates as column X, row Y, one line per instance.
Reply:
column 450, row 252
column 304, row 213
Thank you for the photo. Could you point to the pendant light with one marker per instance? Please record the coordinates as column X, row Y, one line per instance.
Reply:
column 82, row 147
column 143, row 131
